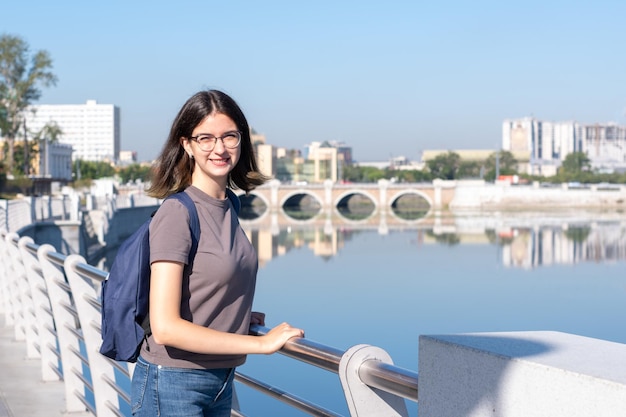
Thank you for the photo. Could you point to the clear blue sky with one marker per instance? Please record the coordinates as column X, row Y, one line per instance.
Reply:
column 389, row 78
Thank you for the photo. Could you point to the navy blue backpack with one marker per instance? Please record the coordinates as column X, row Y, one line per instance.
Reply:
column 125, row 292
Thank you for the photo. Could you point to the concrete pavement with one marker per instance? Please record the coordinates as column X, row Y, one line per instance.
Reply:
column 23, row 393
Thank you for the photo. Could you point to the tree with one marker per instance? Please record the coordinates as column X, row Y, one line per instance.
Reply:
column 20, row 76
column 92, row 169
column 507, row 164
column 576, row 163
column 3, row 177
column 445, row 166
column 23, row 156
column 50, row 132
column 469, row 169
column 135, row 172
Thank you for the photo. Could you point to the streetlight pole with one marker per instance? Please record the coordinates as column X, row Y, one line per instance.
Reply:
column 497, row 165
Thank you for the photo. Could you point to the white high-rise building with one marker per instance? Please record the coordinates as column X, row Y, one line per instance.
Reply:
column 92, row 129
column 549, row 143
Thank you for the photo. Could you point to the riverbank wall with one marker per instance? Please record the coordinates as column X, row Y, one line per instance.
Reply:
column 499, row 196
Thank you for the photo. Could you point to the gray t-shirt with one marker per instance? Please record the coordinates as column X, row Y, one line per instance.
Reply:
column 219, row 291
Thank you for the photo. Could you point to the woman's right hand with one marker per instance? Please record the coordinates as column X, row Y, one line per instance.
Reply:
column 276, row 338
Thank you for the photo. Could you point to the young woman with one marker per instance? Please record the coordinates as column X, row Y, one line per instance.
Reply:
column 200, row 315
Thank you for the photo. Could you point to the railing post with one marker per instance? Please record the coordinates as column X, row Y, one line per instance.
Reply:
column 4, row 211
column 383, row 185
column 364, row 401
column 16, row 317
column 89, row 202
column 31, row 330
column 89, row 315
column 32, row 202
column 46, row 201
column 68, row 331
column 274, row 203
column 4, row 279
column 74, row 211
column 328, row 195
column 43, row 313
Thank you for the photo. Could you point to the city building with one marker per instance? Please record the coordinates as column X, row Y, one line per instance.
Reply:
column 53, row 167
column 321, row 161
column 55, row 161
column 265, row 154
column 127, row 157
column 92, row 129
column 328, row 159
column 549, row 143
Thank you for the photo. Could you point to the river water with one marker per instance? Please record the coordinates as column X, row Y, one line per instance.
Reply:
column 385, row 283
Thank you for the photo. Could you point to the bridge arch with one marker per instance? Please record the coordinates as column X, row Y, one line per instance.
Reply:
column 349, row 193
column 286, row 197
column 256, row 194
column 400, row 193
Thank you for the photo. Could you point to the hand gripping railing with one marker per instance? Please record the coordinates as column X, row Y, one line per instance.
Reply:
column 361, row 369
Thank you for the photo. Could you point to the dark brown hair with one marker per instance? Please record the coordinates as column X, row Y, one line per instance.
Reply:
column 173, row 168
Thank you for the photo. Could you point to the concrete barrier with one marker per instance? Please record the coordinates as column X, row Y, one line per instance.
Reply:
column 521, row 374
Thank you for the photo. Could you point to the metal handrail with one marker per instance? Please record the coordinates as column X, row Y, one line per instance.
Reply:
column 395, row 380
column 376, row 374
column 285, row 397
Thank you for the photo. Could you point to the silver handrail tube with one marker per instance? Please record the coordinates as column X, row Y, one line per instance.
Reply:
column 285, row 397
column 395, row 380
column 376, row 374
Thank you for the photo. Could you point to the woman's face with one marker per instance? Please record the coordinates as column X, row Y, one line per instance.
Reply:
column 215, row 147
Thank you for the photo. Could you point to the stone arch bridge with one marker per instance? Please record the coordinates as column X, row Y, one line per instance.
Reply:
column 438, row 194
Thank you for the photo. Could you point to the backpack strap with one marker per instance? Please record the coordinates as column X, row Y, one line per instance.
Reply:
column 194, row 222
column 194, row 226
column 234, row 199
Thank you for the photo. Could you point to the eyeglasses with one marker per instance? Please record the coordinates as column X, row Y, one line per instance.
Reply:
column 207, row 142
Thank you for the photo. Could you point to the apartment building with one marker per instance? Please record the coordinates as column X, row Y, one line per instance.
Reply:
column 92, row 129
column 548, row 143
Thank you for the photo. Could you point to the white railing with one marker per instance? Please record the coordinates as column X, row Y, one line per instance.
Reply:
column 21, row 212
column 52, row 300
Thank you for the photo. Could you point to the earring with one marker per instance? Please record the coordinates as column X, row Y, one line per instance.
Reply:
column 191, row 156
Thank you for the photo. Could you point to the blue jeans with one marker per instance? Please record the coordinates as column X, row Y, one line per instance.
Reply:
column 169, row 392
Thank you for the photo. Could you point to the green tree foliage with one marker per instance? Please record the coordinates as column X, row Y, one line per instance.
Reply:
column 22, row 158
column 92, row 170
column 3, row 177
column 354, row 173
column 576, row 167
column 21, row 182
column 21, row 74
column 445, row 166
column 134, row 172
column 576, row 163
column 578, row 233
column 50, row 132
column 507, row 164
column 413, row 175
column 469, row 169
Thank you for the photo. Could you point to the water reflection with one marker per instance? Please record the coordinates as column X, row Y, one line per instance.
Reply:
column 525, row 239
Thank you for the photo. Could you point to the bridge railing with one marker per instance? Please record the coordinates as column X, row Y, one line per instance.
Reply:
column 20, row 212
column 53, row 301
